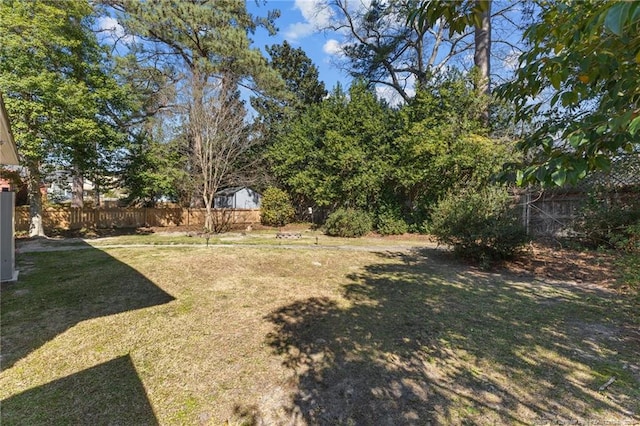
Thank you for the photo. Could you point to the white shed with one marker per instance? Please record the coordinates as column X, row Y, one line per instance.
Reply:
column 239, row 197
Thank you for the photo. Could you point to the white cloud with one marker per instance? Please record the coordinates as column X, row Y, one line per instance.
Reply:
column 332, row 47
column 391, row 95
column 107, row 23
column 511, row 62
column 316, row 12
column 317, row 16
column 113, row 27
column 298, row 30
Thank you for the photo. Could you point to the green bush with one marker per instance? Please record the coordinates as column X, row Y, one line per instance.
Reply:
column 481, row 225
column 389, row 221
column 276, row 208
column 348, row 223
column 611, row 220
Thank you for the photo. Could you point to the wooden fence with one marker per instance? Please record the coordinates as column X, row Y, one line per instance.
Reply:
column 554, row 212
column 549, row 213
column 68, row 218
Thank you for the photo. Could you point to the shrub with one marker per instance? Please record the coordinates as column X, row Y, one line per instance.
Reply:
column 390, row 222
column 480, row 225
column 276, row 208
column 348, row 223
column 611, row 220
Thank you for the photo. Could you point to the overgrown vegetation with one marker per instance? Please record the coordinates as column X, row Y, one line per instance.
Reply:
column 348, row 223
column 611, row 219
column 276, row 208
column 394, row 163
column 577, row 83
column 389, row 221
column 480, row 225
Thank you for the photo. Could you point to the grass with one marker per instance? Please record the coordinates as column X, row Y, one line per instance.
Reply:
column 629, row 266
column 309, row 238
column 251, row 335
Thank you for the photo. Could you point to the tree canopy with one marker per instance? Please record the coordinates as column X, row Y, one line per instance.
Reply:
column 354, row 150
column 58, row 89
column 577, row 86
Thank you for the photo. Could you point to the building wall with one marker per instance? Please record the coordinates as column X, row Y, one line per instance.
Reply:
column 245, row 198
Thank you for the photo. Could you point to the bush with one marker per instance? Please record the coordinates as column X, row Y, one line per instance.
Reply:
column 348, row 223
column 389, row 221
column 611, row 220
column 276, row 208
column 481, row 225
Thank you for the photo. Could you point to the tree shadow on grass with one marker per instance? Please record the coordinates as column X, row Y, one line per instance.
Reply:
column 109, row 393
column 423, row 340
column 60, row 289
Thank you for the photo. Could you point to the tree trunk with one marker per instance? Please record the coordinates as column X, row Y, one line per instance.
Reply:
column 96, row 193
column 481, row 57
column 208, row 218
column 36, row 227
column 77, row 188
column 482, row 54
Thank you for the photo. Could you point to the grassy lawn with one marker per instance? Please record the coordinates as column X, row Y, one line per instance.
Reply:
column 304, row 238
column 268, row 335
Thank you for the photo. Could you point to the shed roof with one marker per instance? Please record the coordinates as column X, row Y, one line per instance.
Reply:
column 231, row 190
column 8, row 151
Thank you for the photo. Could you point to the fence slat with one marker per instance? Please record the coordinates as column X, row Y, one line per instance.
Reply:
column 68, row 218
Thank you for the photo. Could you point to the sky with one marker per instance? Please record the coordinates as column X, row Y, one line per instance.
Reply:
column 299, row 24
column 301, row 21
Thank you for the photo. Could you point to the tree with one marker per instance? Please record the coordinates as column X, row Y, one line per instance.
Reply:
column 404, row 44
column 303, row 89
column 577, row 86
column 299, row 73
column 385, row 48
column 482, row 47
column 276, row 208
column 336, row 154
column 444, row 145
column 59, row 92
column 203, row 47
column 354, row 151
column 220, row 138
column 152, row 170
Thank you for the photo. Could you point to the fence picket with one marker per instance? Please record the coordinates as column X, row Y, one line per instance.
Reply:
column 73, row 218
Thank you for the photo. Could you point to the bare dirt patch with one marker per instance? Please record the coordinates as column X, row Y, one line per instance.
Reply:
column 553, row 262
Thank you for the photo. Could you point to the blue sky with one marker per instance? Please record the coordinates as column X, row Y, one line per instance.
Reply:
column 299, row 24
column 301, row 21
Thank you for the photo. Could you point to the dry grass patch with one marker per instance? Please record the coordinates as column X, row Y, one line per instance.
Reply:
column 273, row 336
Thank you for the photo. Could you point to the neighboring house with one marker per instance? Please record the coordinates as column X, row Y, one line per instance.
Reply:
column 59, row 186
column 239, row 197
